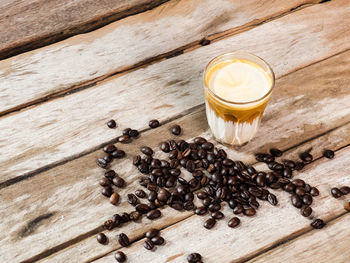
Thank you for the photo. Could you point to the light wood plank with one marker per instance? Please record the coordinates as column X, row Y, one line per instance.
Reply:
column 56, row 131
column 36, row 75
column 269, row 227
column 71, row 190
column 329, row 245
column 35, row 23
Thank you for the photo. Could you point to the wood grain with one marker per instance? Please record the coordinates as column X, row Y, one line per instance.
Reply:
column 77, row 61
column 271, row 225
column 71, row 193
column 57, row 131
column 36, row 23
column 329, row 245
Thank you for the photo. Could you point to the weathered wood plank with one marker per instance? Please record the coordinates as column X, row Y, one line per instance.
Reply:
column 57, row 131
column 71, row 190
column 329, row 245
column 37, row 75
column 35, row 23
column 269, row 227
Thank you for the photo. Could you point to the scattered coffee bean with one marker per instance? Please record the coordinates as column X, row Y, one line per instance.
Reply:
column 202, row 210
column 154, row 214
column 118, row 181
column 118, row 154
column 194, row 258
column 336, row 192
column 120, row 256
column 134, row 133
column 126, row 131
column 152, row 233
column 147, row 150
column 345, row 190
column 109, row 224
column 296, row 201
column 148, row 244
column 108, row 158
column 109, row 148
column 163, row 195
column 165, row 147
column 272, row 199
column 306, row 211
column 123, row 139
column 101, row 238
column 318, row 224
column 276, row 152
column 306, row 157
column 124, row 218
column 142, row 208
column 314, row 191
column 153, row 123
column 217, row 215
column 307, row 188
column 328, row 154
column 238, row 209
column 307, row 199
column 132, row 199
column 134, row 216
column 104, row 181
column 140, row 193
column 114, row 199
column 289, row 163
column 300, row 191
column 234, row 222
column 123, row 240
column 249, row 211
column 102, row 163
column 209, row 223
column 157, row 240
column 347, row 206
column 176, row 129
column 111, row 124
column 107, row 191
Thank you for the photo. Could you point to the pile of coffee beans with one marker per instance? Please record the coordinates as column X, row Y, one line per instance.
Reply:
column 153, row 239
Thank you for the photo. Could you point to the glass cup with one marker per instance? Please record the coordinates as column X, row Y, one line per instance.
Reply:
column 235, row 122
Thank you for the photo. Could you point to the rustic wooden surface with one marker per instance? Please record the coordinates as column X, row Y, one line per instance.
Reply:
column 55, row 101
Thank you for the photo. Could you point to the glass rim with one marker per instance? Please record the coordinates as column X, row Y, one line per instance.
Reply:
column 242, row 53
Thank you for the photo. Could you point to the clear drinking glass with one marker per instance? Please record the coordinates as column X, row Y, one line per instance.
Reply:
column 232, row 122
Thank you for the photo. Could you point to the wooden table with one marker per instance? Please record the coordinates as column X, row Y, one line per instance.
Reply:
column 143, row 59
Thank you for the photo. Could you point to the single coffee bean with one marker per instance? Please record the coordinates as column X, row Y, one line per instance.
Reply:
column 140, row 193
column 126, row 131
column 347, row 206
column 123, row 240
column 217, row 215
column 189, row 197
column 102, row 163
column 345, row 190
column 157, row 240
column 296, row 201
column 114, row 199
column 268, row 158
column 177, row 205
column 202, row 195
column 306, row 157
column 176, row 129
column 134, row 216
column 209, row 223
column 318, row 224
column 194, row 258
column 118, row 154
column 289, row 163
column 307, row 188
column 165, row 147
column 163, row 195
column 142, row 208
column 123, row 139
column 290, row 188
column 110, row 174
column 276, row 152
column 108, row 158
column 261, row 179
column 306, row 211
column 207, row 146
column 336, row 192
column 136, row 160
column 272, row 199
column 125, row 217
column 199, row 140
column 109, row 148
column 132, row 199
column 108, row 224
column 116, row 220
column 148, row 244
column 107, row 191
column 189, row 205
column 143, row 168
column 154, row 214
column 307, row 199
column 299, row 182
column 234, row 222
column 202, row 210
column 133, row 133
column 152, row 233
column 104, row 181
column 249, row 211
column 147, row 150
column 275, row 185
column 287, row 172
column 299, row 166
column 118, row 181
column 120, row 256
column 300, row 191
column 314, row 191
column 111, row 124
column 260, row 157
column 214, row 207
column 101, row 238
column 238, row 209
column 328, row 154
column 153, row 123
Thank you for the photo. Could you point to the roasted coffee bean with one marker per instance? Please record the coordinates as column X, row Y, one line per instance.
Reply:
column 296, row 201
column 245, row 194
column 289, row 163
column 347, row 206
column 336, row 192
column 255, row 191
column 307, row 188
column 110, row 174
column 142, row 208
column 314, row 191
column 275, row 185
column 111, row 124
column 299, row 182
column 260, row 157
column 328, row 154
column 175, row 172
column 217, row 215
column 202, row 210
column 307, row 199
column 345, row 190
column 181, row 189
column 152, row 233
column 143, row 168
column 234, row 222
column 318, row 224
column 283, row 181
column 102, row 163
column 125, row 217
column 251, row 170
column 163, row 195
column 238, row 209
column 270, row 177
column 146, row 150
column 189, row 205
column 289, row 188
column 126, row 131
column 182, row 181
column 264, row 195
column 118, row 181
column 306, row 157
column 177, row 205
column 108, row 224
column 152, row 196
column 306, row 210
column 165, row 147
column 287, row 172
column 158, row 240
column 109, row 148
column 173, row 145
column 214, row 207
column 173, row 154
column 261, row 179
column 108, row 158
column 153, row 124
column 202, row 195
column 136, row 160
column 199, row 140
column 123, row 240
column 154, row 214
column 118, row 154
column 268, row 158
column 132, row 199
column 164, row 164
column 148, row 244
column 107, row 191
column 190, row 166
column 124, row 139
column 298, row 166
column 189, row 196
column 116, row 219
column 133, row 133
column 272, row 199
column 249, row 211
column 300, row 191
column 176, row 129
column 134, row 216
column 207, row 146
column 120, row 256
column 228, row 162
column 101, row 238
column 104, row 181
column 194, row 258
column 209, row 223
column 276, row 152
column 140, row 193
column 232, row 203
column 207, row 201
column 114, row 199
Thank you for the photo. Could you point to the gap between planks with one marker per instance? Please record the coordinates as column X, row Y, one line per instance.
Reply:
column 149, row 61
